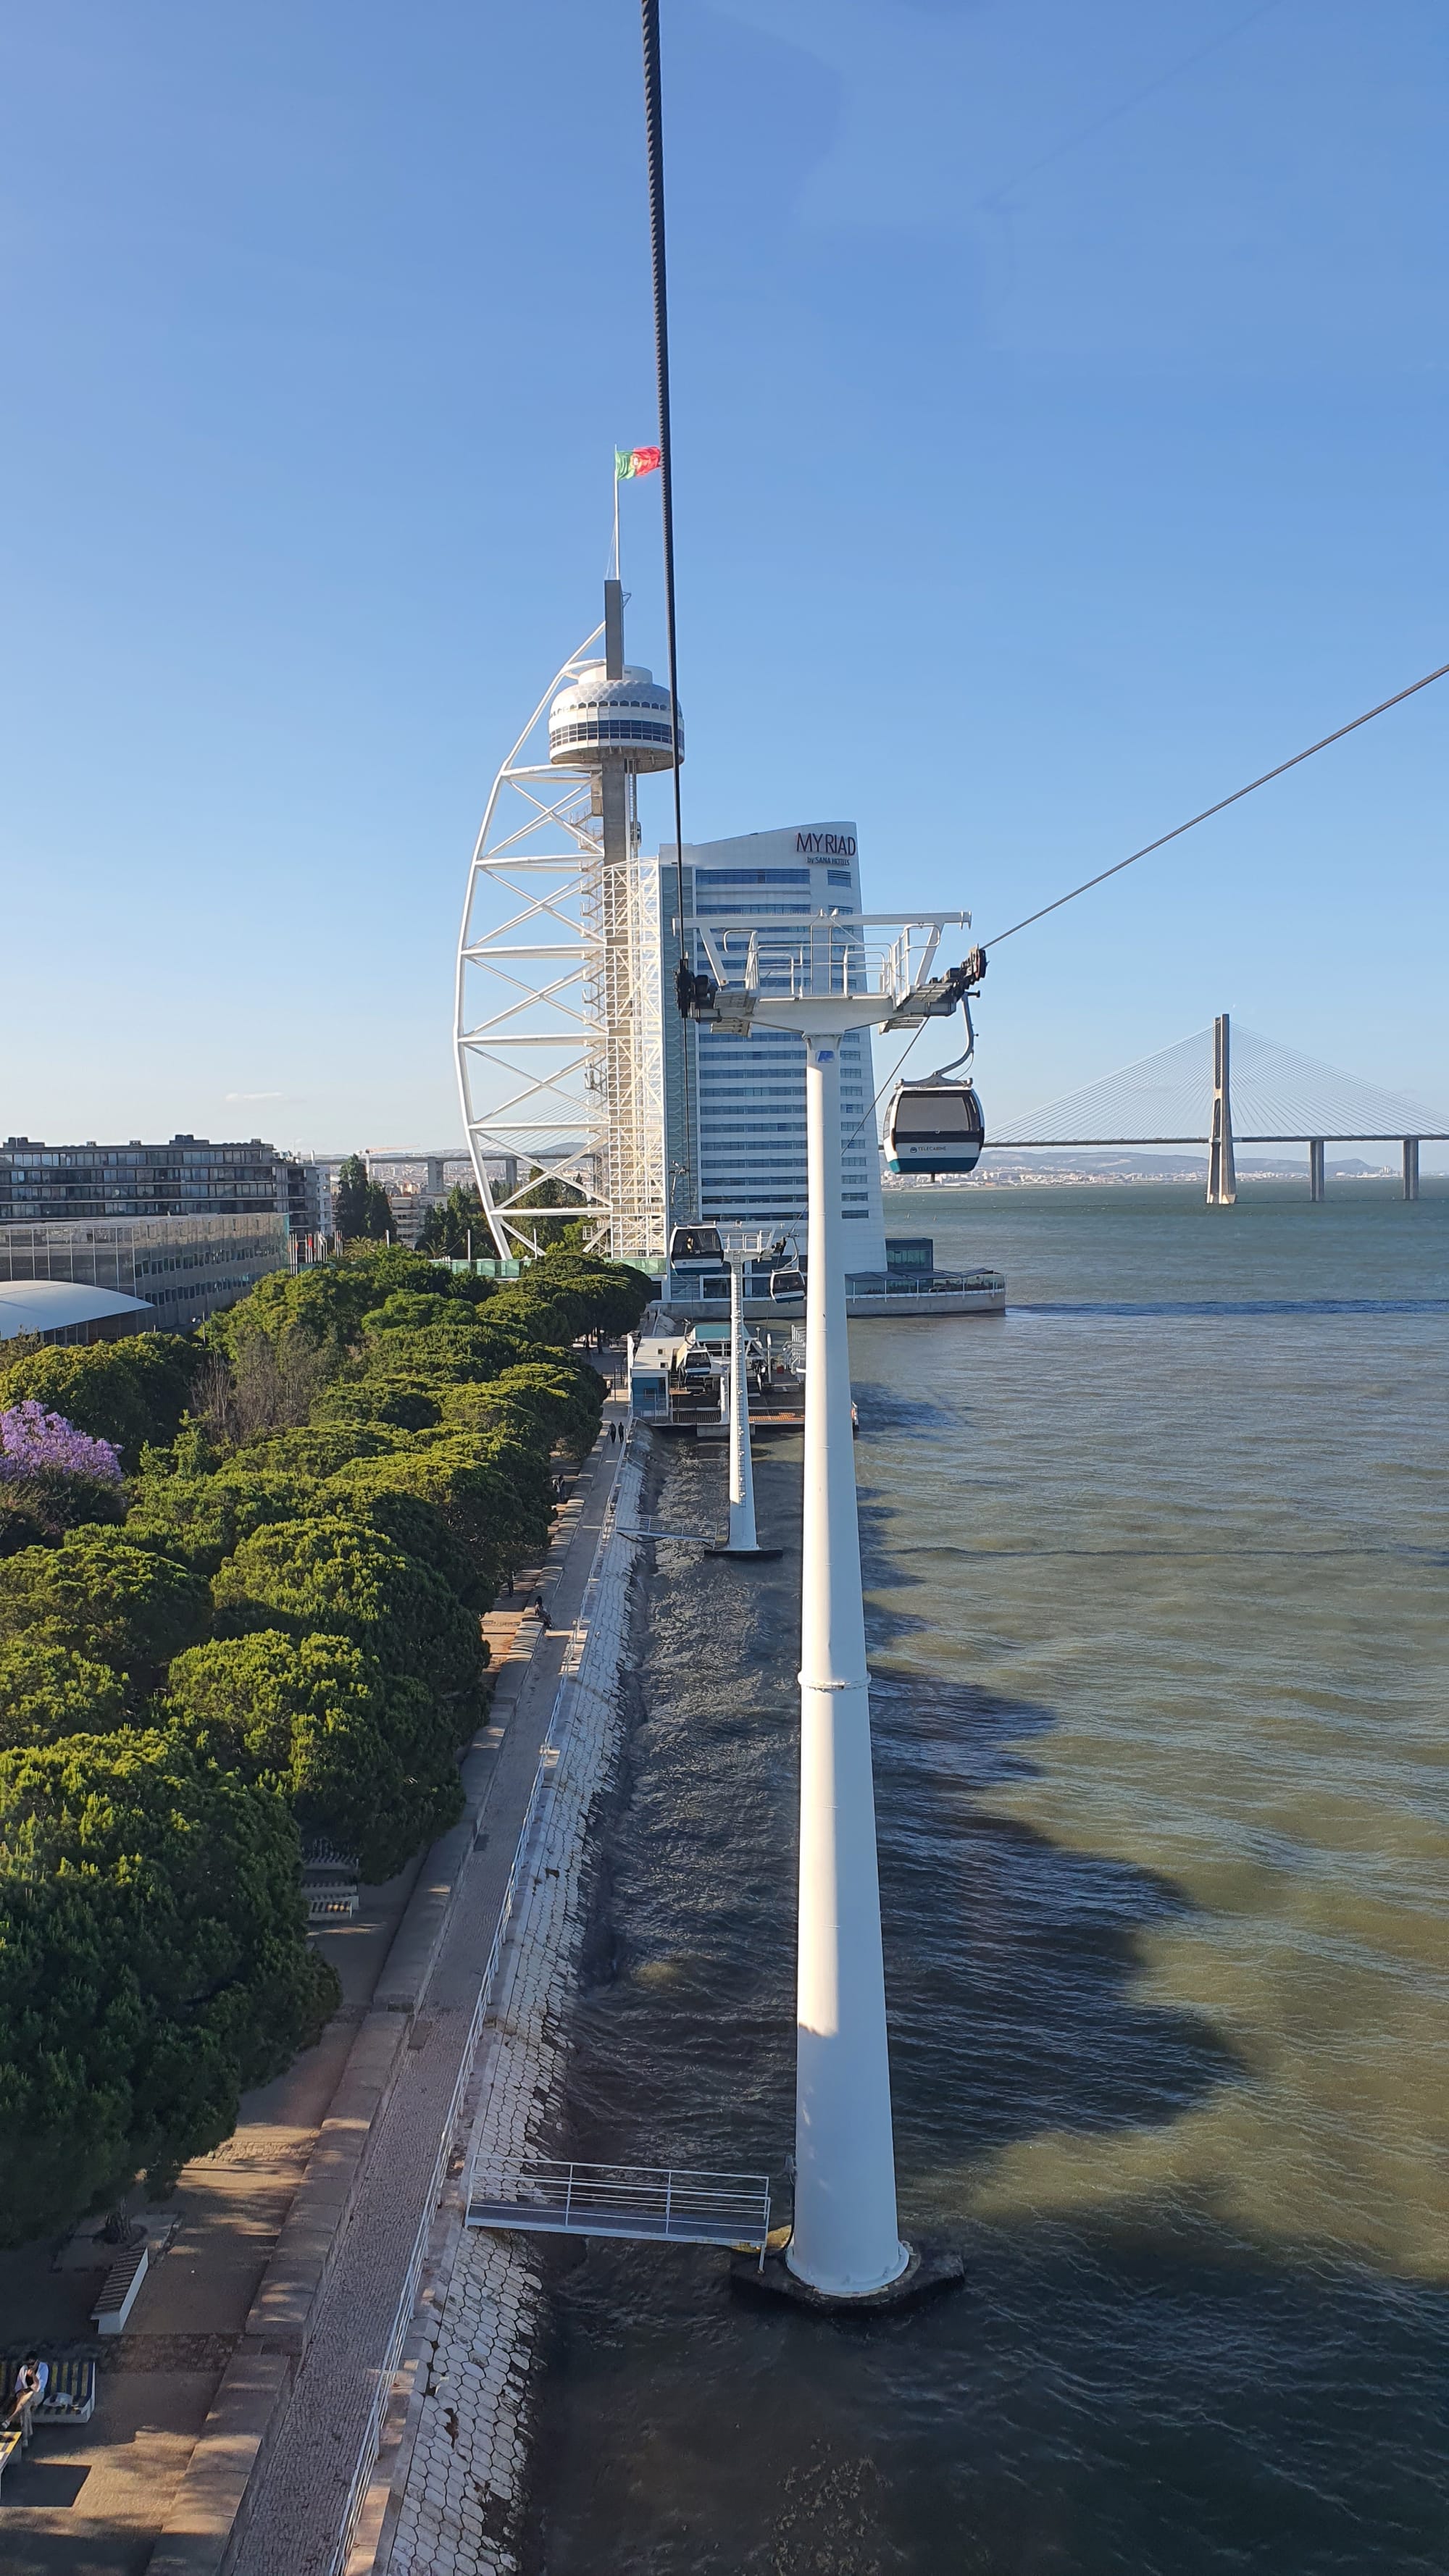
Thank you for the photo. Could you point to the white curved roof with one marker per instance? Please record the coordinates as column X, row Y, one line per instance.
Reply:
column 48, row 1305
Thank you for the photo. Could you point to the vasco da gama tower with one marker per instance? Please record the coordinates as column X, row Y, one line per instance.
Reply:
column 574, row 1065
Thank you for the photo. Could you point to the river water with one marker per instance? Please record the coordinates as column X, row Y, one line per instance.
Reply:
column 1159, row 1627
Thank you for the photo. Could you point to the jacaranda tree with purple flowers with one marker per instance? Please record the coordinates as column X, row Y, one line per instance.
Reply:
column 34, row 1443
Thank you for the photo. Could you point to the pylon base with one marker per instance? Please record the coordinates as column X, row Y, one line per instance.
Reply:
column 932, row 2268
column 746, row 1554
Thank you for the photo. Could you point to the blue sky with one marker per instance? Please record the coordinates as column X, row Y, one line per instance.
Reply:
column 1059, row 441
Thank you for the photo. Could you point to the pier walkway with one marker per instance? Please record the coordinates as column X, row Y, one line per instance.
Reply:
column 307, row 2475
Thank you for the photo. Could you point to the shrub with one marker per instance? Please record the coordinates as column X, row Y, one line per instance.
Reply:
column 365, row 1758
column 153, row 1963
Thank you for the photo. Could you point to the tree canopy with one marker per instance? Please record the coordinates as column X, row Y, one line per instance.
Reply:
column 108, row 1599
column 324, row 1488
column 47, row 1690
column 365, row 1757
column 361, row 1208
column 153, row 1963
column 126, row 1392
column 336, row 1574
column 459, row 1224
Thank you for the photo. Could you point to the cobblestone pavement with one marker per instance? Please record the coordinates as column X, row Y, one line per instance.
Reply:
column 300, row 2508
column 462, row 2480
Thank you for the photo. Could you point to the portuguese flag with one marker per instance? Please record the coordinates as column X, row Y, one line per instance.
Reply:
column 629, row 461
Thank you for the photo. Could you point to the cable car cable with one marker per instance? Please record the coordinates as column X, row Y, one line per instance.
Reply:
column 654, row 150
column 1223, row 803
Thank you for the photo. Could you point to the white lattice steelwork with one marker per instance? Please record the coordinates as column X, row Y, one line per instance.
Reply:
column 558, row 1023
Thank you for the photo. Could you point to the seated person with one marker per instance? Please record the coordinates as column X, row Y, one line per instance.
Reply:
column 29, row 2388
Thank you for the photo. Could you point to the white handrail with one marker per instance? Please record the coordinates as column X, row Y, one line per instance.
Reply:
column 550, row 1755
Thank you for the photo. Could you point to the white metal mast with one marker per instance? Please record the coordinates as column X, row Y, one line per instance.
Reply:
column 558, row 1020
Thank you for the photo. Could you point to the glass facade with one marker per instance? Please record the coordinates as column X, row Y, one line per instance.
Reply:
column 189, row 1177
column 185, row 1267
column 747, row 1094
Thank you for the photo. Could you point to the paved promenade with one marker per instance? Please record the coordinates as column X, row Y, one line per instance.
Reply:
column 307, row 2476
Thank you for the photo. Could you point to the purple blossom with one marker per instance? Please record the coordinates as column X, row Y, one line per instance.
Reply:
column 32, row 1439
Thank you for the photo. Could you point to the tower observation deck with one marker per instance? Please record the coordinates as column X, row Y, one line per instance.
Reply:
column 560, row 1031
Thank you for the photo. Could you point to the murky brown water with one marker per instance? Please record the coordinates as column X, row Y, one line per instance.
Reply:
column 1158, row 1572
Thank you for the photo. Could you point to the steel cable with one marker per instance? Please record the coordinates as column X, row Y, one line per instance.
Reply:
column 654, row 148
column 1222, row 804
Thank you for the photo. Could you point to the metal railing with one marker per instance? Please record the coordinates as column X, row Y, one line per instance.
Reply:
column 661, row 2204
column 554, row 1742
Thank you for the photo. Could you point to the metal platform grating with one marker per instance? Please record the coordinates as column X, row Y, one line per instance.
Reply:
column 658, row 2204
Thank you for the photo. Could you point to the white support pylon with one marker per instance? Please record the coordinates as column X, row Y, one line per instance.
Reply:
column 742, row 1539
column 846, row 2239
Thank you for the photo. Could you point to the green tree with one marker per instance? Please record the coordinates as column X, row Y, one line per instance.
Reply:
column 492, row 1488
column 336, row 1575
column 129, row 1391
column 38, row 1510
column 447, row 1230
column 364, row 1756
column 108, row 1599
column 615, row 1294
column 562, row 1399
column 47, row 1690
column 547, row 1192
column 361, row 1208
column 318, row 1450
column 199, row 1520
column 153, row 1963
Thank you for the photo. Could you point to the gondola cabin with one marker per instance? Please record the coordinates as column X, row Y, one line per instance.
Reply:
column 695, row 1247
column 933, row 1126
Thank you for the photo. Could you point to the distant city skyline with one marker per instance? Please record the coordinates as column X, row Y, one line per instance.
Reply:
column 1058, row 444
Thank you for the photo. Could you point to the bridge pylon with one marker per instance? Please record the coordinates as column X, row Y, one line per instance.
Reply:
column 1222, row 1188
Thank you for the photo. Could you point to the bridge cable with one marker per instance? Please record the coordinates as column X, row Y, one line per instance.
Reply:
column 1222, row 805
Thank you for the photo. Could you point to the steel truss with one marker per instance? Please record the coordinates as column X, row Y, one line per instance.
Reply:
column 558, row 1026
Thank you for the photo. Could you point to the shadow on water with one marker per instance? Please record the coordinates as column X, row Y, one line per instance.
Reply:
column 1093, row 2402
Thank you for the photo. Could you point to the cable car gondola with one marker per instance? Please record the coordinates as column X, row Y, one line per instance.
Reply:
column 696, row 1247
column 787, row 1285
column 934, row 1126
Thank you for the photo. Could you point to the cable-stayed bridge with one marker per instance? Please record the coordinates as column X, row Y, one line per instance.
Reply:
column 1217, row 1090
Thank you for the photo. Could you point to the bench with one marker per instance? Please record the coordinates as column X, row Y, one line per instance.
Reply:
column 9, row 2445
column 118, row 2291
column 70, row 2394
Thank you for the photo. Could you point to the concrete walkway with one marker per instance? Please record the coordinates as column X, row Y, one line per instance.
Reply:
column 306, row 2479
column 98, row 2500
